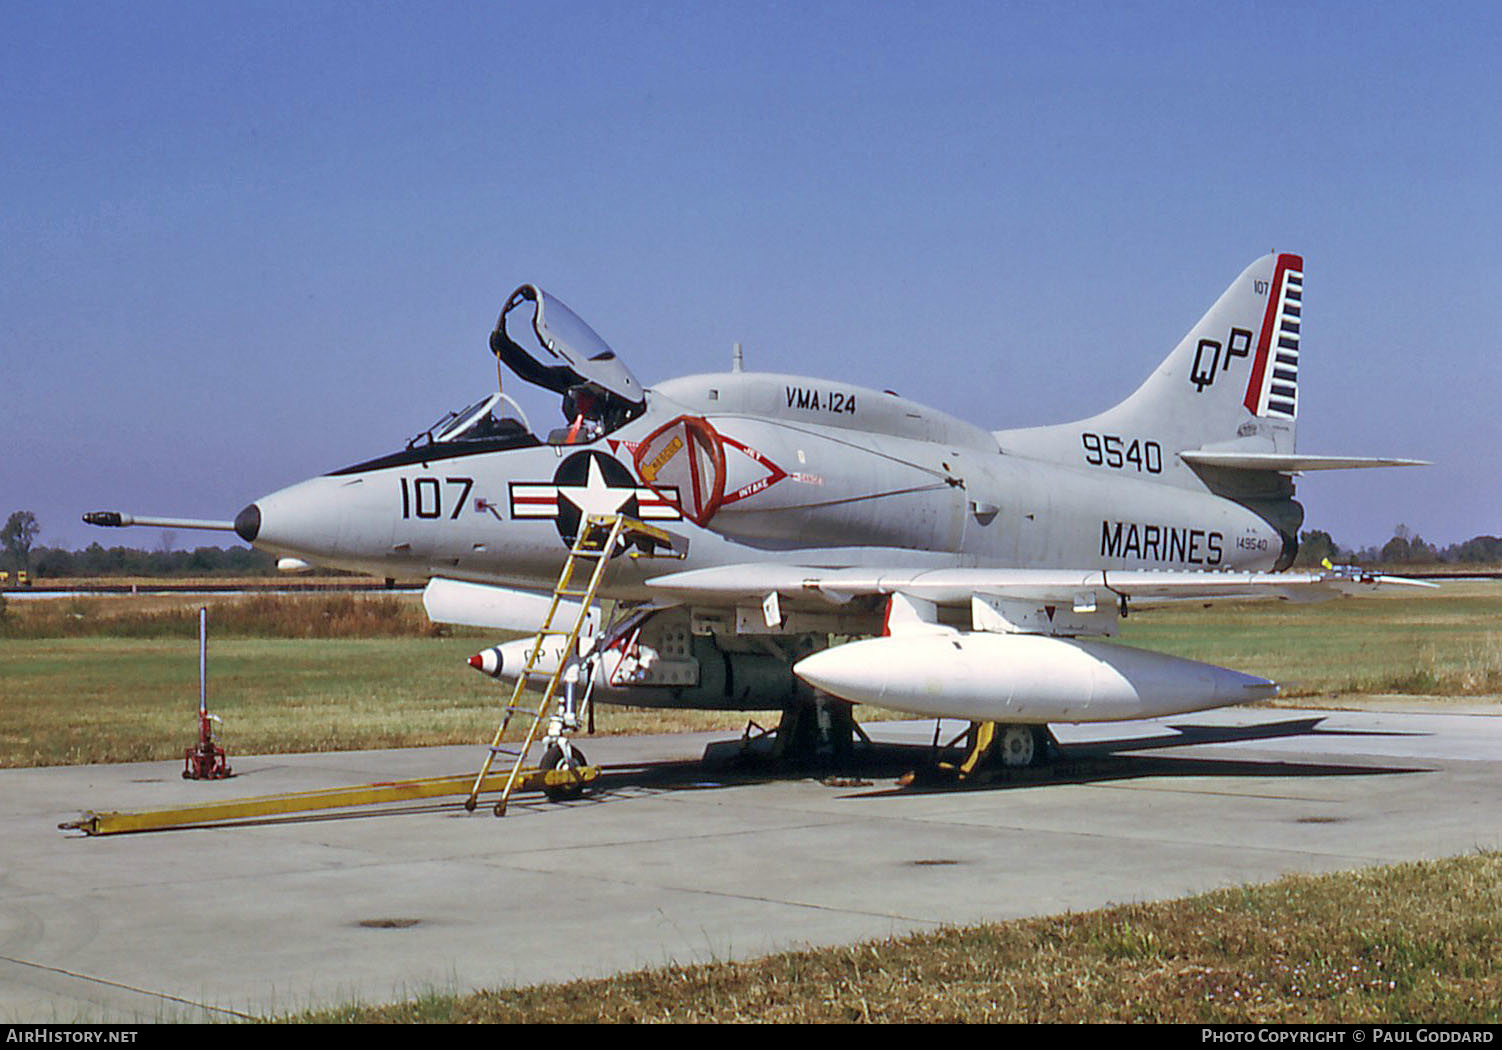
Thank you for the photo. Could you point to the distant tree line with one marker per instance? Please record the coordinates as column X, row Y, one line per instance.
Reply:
column 1405, row 547
column 97, row 560
column 18, row 552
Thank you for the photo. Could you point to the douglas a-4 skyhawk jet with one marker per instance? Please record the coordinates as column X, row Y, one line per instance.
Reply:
column 975, row 569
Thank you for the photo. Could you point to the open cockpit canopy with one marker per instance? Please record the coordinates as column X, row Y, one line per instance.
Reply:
column 569, row 355
column 568, row 358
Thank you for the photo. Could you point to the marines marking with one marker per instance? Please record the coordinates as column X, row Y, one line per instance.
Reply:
column 1165, row 543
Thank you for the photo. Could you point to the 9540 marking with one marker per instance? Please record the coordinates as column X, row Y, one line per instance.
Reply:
column 1112, row 450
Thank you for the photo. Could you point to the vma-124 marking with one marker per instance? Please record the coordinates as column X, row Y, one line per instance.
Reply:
column 976, row 569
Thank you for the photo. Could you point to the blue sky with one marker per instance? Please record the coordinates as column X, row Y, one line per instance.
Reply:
column 247, row 244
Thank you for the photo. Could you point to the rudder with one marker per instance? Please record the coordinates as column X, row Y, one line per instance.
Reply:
column 1273, row 388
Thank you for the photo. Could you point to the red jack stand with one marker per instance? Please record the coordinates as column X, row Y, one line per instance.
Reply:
column 205, row 760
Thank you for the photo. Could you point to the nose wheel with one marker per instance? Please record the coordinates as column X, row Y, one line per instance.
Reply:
column 556, row 758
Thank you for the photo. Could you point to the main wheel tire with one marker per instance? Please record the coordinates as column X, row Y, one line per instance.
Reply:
column 553, row 759
column 1017, row 746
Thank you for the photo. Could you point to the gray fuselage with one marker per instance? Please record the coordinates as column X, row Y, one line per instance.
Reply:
column 817, row 473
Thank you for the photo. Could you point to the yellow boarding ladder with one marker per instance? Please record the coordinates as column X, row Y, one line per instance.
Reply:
column 600, row 536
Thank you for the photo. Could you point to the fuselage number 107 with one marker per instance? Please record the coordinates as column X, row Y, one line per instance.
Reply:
column 423, row 497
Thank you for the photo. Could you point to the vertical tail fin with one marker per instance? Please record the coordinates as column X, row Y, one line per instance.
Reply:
column 1230, row 383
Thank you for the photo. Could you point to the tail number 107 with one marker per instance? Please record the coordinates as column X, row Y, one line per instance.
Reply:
column 1112, row 450
column 423, row 497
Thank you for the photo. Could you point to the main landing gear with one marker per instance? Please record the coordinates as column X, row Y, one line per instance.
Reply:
column 824, row 732
column 992, row 746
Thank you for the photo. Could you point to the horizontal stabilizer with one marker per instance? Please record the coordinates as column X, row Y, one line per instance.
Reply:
column 1290, row 462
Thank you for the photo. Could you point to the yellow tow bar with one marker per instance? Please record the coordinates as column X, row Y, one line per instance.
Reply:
column 248, row 809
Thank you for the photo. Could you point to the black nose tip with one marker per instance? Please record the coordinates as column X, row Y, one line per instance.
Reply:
column 248, row 523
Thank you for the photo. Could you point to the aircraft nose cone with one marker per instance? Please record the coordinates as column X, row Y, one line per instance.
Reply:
column 248, row 523
column 341, row 522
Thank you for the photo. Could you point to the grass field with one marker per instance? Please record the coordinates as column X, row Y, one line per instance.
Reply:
column 1445, row 642
column 1364, row 946
column 112, row 679
column 115, row 679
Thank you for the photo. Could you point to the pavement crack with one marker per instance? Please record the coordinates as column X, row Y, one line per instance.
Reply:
column 165, row 996
column 757, row 898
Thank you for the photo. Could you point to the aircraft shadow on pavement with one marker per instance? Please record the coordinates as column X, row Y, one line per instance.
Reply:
column 921, row 766
column 918, row 769
column 1109, row 760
